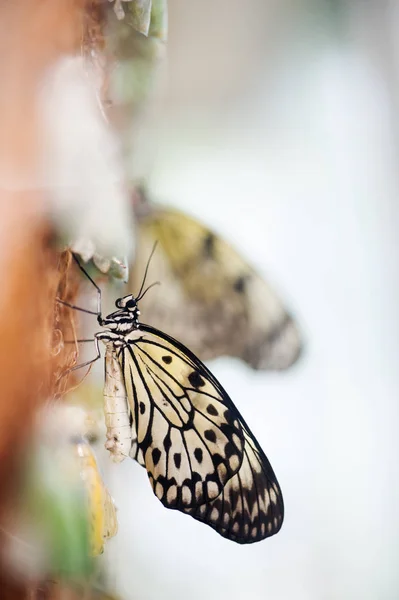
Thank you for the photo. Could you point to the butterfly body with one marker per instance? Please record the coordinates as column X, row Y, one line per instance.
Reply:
column 200, row 456
column 116, row 408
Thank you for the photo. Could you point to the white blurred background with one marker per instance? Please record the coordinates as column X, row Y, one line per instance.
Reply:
column 279, row 128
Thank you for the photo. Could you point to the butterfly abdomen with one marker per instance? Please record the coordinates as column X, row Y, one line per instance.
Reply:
column 118, row 417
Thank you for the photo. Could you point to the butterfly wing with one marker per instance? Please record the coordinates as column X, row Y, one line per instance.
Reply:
column 191, row 441
column 250, row 507
column 196, row 447
column 209, row 297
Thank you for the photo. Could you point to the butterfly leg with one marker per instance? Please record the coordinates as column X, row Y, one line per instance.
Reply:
column 85, row 310
column 98, row 290
column 88, row 362
column 78, row 341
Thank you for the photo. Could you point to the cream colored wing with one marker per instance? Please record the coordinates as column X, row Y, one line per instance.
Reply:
column 200, row 455
column 187, row 430
column 209, row 297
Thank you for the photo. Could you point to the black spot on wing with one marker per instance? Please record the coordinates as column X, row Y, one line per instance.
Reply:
column 218, row 459
column 211, row 410
column 142, row 408
column 196, row 380
column 167, row 443
column 239, row 284
column 177, row 459
column 156, row 455
column 230, row 449
column 167, row 359
column 210, row 435
column 198, row 454
column 209, row 245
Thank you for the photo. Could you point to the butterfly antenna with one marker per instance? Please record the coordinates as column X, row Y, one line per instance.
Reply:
column 146, row 270
column 146, row 290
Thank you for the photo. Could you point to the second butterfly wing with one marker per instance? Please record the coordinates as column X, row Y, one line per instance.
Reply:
column 209, row 297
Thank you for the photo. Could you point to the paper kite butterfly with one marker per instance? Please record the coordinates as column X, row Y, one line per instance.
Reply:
column 165, row 409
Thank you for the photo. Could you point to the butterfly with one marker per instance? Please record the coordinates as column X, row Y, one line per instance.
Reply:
column 210, row 298
column 165, row 409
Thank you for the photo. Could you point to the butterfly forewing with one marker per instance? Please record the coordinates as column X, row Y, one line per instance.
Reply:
column 187, row 427
column 200, row 455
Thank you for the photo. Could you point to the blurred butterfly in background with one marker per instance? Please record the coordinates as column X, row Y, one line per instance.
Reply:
column 209, row 298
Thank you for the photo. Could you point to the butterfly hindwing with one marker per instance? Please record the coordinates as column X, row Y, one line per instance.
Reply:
column 250, row 506
column 187, row 428
column 210, row 298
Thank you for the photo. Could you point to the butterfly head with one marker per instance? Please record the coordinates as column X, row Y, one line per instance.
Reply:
column 129, row 308
column 128, row 303
column 126, row 318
